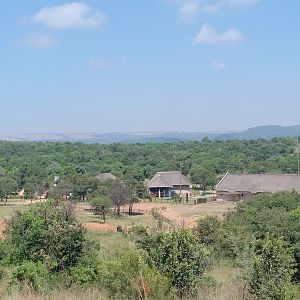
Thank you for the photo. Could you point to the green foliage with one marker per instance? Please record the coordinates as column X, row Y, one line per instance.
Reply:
column 278, row 214
column 7, row 186
column 101, row 204
column 32, row 275
column 34, row 164
column 234, row 241
column 82, row 274
column 83, row 184
column 128, row 277
column 205, row 176
column 179, row 256
column 48, row 234
column 208, row 230
column 271, row 270
column 61, row 190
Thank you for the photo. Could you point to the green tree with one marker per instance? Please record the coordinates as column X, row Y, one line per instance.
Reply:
column 2, row 172
column 7, row 187
column 83, row 184
column 120, row 195
column 31, row 187
column 271, row 270
column 61, row 190
column 179, row 256
column 208, row 230
column 101, row 206
column 45, row 233
column 276, row 213
column 206, row 177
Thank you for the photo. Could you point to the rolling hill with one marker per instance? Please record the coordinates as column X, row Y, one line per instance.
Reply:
column 259, row 132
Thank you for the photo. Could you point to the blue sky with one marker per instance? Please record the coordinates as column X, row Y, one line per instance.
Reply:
column 148, row 65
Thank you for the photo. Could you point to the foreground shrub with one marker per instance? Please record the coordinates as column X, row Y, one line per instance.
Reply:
column 275, row 213
column 82, row 274
column 32, row 275
column 179, row 256
column 208, row 230
column 45, row 233
column 271, row 270
column 128, row 277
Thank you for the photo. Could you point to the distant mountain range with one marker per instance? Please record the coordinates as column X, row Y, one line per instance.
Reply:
column 260, row 132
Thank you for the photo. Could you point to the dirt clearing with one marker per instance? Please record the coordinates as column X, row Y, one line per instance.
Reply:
column 183, row 214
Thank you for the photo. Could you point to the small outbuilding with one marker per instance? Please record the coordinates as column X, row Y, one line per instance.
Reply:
column 163, row 183
column 245, row 186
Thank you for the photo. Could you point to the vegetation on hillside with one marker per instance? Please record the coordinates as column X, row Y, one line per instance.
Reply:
column 35, row 167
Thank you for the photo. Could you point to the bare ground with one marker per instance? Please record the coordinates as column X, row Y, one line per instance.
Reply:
column 183, row 214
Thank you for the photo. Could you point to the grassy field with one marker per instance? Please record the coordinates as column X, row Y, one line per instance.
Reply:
column 11, row 206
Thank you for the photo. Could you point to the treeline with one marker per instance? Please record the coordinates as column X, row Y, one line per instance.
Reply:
column 33, row 166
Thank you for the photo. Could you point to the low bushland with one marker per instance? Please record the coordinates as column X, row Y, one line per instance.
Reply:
column 252, row 254
column 262, row 238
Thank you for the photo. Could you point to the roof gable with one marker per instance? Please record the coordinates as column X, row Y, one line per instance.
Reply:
column 168, row 179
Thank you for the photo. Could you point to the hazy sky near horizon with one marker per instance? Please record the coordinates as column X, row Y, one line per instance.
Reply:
column 148, row 65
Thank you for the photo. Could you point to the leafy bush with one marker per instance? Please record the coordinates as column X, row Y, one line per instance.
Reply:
column 271, row 270
column 33, row 275
column 274, row 213
column 48, row 234
column 83, row 274
column 207, row 230
column 128, row 277
column 179, row 256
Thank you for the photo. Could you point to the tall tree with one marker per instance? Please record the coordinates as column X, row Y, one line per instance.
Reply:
column 120, row 195
column 7, row 187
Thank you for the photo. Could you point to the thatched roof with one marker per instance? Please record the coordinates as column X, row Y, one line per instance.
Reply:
column 168, row 179
column 106, row 177
column 259, row 183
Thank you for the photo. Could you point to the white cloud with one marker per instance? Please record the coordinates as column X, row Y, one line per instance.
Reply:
column 38, row 40
column 213, row 8
column 242, row 3
column 98, row 63
column 208, row 35
column 190, row 9
column 216, row 6
column 69, row 15
column 217, row 65
column 232, row 36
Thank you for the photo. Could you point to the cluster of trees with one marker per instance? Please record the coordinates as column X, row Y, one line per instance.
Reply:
column 33, row 166
column 262, row 237
column 115, row 194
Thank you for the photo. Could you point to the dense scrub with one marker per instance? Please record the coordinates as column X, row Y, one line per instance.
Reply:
column 45, row 250
column 262, row 237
